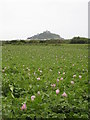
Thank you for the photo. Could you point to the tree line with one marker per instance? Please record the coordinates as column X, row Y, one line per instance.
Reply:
column 75, row 40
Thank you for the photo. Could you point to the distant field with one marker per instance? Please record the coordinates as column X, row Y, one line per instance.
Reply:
column 32, row 74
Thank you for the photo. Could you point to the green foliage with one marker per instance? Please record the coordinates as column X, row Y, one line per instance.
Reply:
column 79, row 40
column 23, row 64
column 75, row 40
column 31, row 42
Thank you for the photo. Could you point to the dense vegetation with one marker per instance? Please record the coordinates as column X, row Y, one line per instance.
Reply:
column 78, row 40
column 75, row 40
column 45, row 81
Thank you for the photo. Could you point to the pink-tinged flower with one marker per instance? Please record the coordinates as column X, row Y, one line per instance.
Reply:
column 80, row 76
column 38, row 92
column 57, row 80
column 50, row 70
column 32, row 97
column 3, row 70
column 38, row 78
column 57, row 91
column 61, row 78
column 40, row 71
column 72, row 64
column 23, row 107
column 53, row 85
column 74, row 76
column 64, row 94
column 72, row 82
column 58, row 72
column 27, row 68
column 63, row 73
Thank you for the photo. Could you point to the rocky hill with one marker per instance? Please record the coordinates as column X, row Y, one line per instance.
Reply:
column 46, row 35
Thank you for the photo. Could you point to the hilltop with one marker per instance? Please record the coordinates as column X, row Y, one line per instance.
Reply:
column 46, row 35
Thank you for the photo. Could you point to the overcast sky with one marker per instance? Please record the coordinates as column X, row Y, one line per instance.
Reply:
column 20, row 19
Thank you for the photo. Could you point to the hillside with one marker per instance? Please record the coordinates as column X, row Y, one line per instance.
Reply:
column 46, row 35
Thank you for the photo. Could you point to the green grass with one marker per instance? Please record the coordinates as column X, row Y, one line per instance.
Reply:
column 21, row 66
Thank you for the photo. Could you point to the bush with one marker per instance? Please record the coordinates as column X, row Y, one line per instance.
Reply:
column 79, row 40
